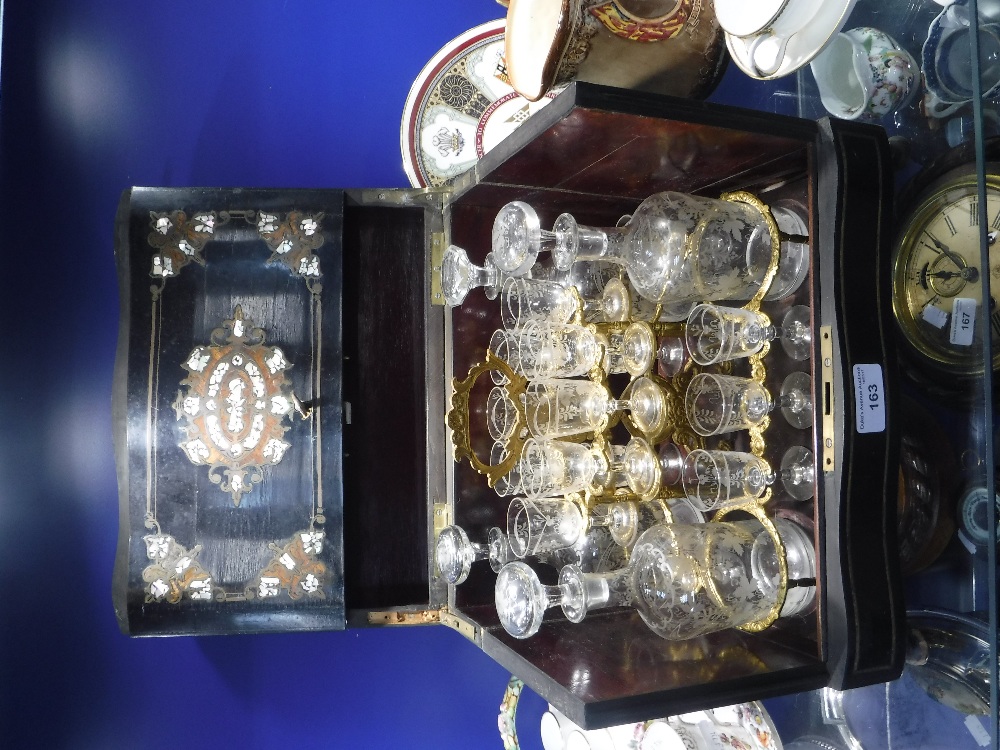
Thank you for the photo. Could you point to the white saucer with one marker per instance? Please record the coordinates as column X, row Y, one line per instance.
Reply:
column 460, row 106
column 800, row 50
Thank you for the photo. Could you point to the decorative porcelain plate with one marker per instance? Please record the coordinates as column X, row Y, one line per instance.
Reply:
column 802, row 47
column 460, row 107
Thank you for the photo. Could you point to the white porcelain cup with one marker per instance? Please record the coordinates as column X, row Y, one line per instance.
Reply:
column 746, row 18
column 766, row 25
column 864, row 73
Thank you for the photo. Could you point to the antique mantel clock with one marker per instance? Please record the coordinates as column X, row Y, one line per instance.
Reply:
column 937, row 284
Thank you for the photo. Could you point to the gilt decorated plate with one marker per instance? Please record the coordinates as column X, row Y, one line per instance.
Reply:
column 460, row 106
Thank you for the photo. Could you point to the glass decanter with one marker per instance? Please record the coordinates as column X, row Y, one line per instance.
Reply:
column 680, row 249
column 684, row 580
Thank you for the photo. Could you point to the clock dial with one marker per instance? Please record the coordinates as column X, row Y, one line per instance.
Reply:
column 938, row 276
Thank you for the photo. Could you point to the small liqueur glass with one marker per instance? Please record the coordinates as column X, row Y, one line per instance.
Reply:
column 715, row 333
column 459, row 276
column 509, row 483
column 500, row 345
column 718, row 404
column 501, row 414
column 539, row 525
column 557, row 467
column 714, row 480
column 526, row 300
column 798, row 473
column 613, row 306
column 555, row 350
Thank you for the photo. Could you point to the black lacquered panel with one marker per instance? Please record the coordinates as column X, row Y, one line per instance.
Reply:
column 228, row 411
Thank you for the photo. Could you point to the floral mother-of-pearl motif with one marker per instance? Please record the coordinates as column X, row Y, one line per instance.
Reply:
column 174, row 571
column 234, row 402
column 295, row 569
column 179, row 240
column 292, row 238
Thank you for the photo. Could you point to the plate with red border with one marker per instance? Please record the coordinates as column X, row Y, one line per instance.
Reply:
column 461, row 106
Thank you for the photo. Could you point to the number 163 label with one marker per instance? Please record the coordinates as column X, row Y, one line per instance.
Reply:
column 869, row 391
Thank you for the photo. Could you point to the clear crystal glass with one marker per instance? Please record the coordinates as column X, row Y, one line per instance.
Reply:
column 678, row 248
column 714, row 480
column 715, row 333
column 717, row 404
column 525, row 300
column 557, row 467
column 555, row 350
column 455, row 553
column 684, row 580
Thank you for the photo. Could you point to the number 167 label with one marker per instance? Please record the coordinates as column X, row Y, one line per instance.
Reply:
column 869, row 391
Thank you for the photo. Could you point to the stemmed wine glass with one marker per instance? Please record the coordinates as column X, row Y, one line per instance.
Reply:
column 717, row 404
column 525, row 300
column 714, row 333
column 715, row 479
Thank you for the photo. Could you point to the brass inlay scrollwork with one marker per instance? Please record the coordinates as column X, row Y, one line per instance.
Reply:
column 458, row 417
column 758, row 372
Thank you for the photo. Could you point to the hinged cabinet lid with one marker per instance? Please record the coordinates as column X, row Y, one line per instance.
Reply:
column 228, row 411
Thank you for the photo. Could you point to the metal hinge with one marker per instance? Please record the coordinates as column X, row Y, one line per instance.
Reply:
column 426, row 617
column 826, row 396
column 442, row 518
column 466, row 628
column 437, row 257
column 419, row 617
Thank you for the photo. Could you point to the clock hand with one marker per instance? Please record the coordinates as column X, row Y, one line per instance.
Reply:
column 967, row 273
column 954, row 257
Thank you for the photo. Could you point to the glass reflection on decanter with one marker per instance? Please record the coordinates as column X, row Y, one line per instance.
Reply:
column 679, row 248
column 800, row 559
column 459, row 276
column 717, row 404
column 526, row 300
column 562, row 408
column 715, row 333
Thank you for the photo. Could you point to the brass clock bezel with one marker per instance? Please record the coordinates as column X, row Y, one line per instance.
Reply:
column 942, row 193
